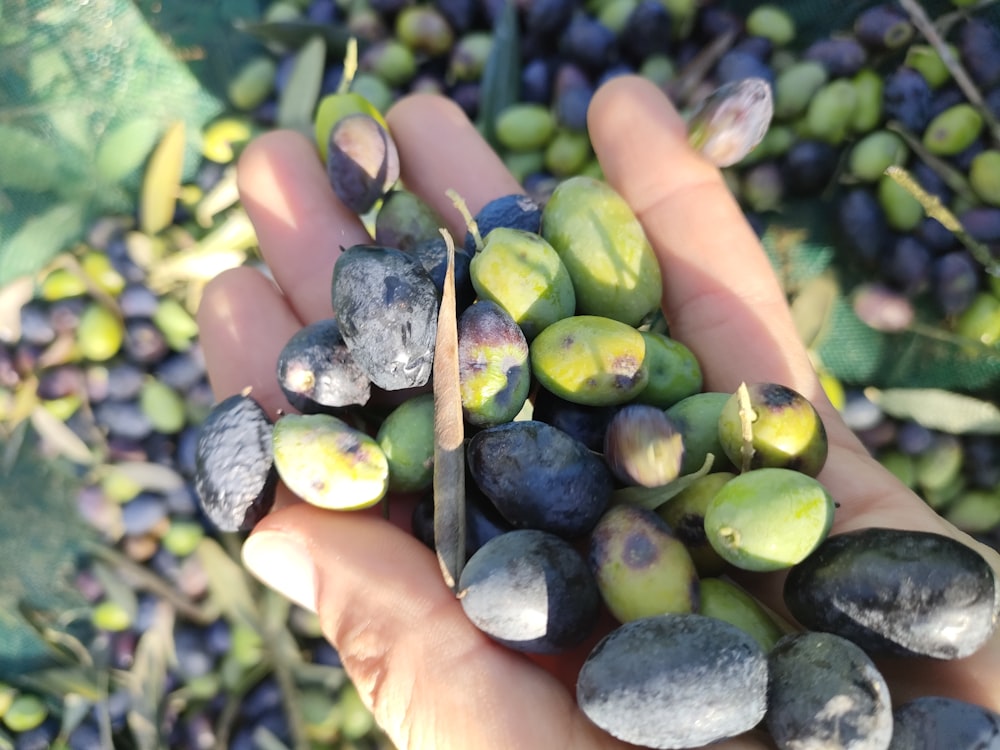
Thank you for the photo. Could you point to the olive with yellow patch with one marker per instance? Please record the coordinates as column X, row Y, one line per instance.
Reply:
column 603, row 246
column 523, row 274
column 768, row 519
column 641, row 567
column 493, row 370
column 328, row 463
column 674, row 371
column 725, row 600
column 787, row 431
column 590, row 360
column 685, row 514
column 643, row 447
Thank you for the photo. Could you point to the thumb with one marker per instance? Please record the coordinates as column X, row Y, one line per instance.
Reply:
column 431, row 679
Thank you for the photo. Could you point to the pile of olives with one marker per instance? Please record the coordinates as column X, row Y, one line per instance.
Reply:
column 600, row 477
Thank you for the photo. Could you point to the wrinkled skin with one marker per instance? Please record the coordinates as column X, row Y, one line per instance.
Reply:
column 370, row 581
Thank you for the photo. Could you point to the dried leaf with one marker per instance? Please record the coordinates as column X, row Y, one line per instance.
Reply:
column 59, row 437
column 149, row 476
column 938, row 409
column 812, row 308
column 297, row 101
column 75, row 709
column 161, row 182
column 63, row 681
column 449, row 435
column 652, row 498
column 116, row 589
column 13, row 297
column 227, row 584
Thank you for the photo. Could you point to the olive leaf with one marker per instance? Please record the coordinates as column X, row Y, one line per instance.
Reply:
column 147, row 678
column 938, row 409
column 227, row 584
column 297, row 101
column 162, row 180
column 39, row 239
column 449, row 435
column 652, row 498
column 812, row 308
column 501, row 82
column 124, row 148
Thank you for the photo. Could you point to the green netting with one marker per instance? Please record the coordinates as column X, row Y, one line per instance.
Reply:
column 87, row 87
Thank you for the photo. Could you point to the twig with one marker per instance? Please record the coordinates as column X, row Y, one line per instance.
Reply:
column 926, row 27
column 936, row 210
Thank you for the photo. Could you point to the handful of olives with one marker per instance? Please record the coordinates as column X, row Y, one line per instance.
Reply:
column 587, row 429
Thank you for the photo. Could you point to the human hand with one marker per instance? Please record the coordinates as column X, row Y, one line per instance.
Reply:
column 431, row 678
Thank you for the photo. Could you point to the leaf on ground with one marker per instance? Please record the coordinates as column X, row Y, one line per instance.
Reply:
column 39, row 239
column 227, row 584
column 298, row 99
column 161, row 181
column 939, row 409
column 812, row 308
column 652, row 498
column 501, row 82
column 147, row 678
column 61, row 681
column 40, row 549
column 125, row 148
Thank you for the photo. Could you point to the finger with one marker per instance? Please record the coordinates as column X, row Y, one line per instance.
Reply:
column 406, row 642
column 301, row 226
column 440, row 149
column 723, row 300
column 721, row 296
column 243, row 323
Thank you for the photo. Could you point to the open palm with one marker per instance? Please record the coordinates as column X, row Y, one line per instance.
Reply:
column 432, row 679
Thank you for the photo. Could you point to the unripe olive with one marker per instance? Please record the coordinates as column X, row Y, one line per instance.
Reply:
column 954, row 130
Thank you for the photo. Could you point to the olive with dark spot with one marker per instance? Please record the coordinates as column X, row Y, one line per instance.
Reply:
column 641, row 567
column 787, row 430
column 591, row 360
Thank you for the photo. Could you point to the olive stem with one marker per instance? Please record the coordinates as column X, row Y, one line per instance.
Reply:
column 746, row 426
column 470, row 222
column 350, row 66
column 926, row 27
column 936, row 210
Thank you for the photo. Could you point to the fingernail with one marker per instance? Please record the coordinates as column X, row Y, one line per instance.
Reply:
column 282, row 562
